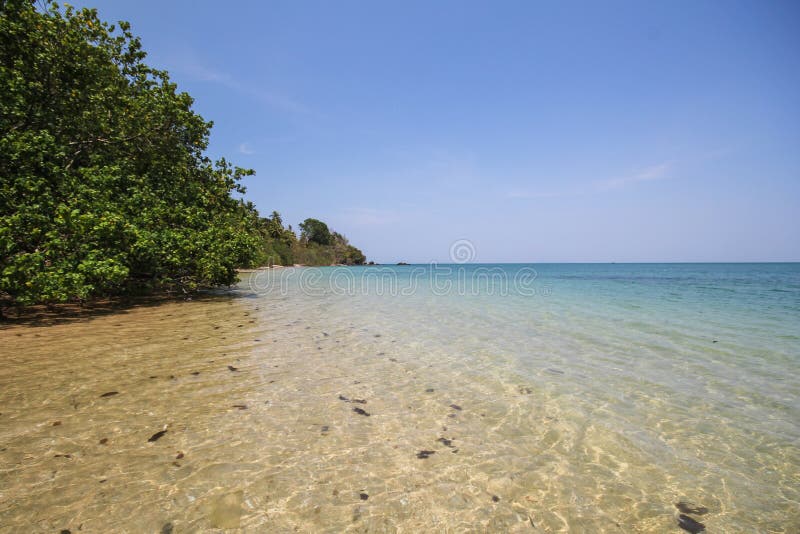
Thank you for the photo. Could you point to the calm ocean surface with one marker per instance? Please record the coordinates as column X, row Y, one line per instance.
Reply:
column 548, row 397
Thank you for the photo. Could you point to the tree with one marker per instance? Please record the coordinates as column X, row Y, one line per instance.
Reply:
column 105, row 188
column 315, row 231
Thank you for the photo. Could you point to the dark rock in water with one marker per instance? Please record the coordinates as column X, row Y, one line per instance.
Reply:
column 66, row 531
column 377, row 335
column 167, row 528
column 359, row 411
column 325, row 334
column 232, row 368
column 715, row 341
column 429, row 390
column 110, row 394
column 56, row 423
column 103, row 441
column 157, row 436
column 446, row 442
column 363, row 496
column 325, row 428
column 424, row 454
column 455, row 407
column 240, row 406
column 357, row 401
column 691, row 508
column 555, row 371
column 690, row 525
column 195, row 373
column 62, row 456
column 179, row 456
column 495, row 498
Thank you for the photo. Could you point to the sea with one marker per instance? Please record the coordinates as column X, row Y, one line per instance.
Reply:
column 415, row 398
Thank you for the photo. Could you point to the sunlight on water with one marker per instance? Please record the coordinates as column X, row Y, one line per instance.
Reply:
column 593, row 403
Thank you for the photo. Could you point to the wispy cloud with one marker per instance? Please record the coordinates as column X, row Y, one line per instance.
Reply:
column 271, row 99
column 656, row 172
column 521, row 193
column 246, row 149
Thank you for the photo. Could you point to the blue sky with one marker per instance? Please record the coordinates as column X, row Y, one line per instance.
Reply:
column 540, row 131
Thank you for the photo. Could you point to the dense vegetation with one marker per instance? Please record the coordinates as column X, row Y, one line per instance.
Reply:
column 105, row 188
column 317, row 244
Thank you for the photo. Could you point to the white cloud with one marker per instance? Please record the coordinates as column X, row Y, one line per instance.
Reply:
column 656, row 172
column 272, row 99
column 245, row 148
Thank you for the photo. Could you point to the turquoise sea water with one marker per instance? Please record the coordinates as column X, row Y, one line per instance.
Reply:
column 493, row 398
column 689, row 371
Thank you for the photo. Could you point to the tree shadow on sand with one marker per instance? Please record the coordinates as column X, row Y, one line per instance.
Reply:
column 55, row 314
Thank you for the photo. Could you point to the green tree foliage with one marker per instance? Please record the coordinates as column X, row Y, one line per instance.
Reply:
column 277, row 242
column 105, row 188
column 317, row 245
column 314, row 231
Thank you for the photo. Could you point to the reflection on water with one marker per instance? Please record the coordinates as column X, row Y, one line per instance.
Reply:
column 333, row 412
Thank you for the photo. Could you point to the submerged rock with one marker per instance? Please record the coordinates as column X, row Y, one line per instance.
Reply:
column 157, row 436
column 232, row 368
column 110, row 394
column 357, row 401
column 359, row 411
column 691, row 508
column 424, row 454
column 690, row 525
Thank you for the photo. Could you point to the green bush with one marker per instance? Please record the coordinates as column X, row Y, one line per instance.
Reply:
column 105, row 186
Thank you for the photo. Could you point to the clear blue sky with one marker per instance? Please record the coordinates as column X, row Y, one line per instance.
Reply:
column 540, row 131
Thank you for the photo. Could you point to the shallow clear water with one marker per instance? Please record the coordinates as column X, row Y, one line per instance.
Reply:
column 582, row 398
